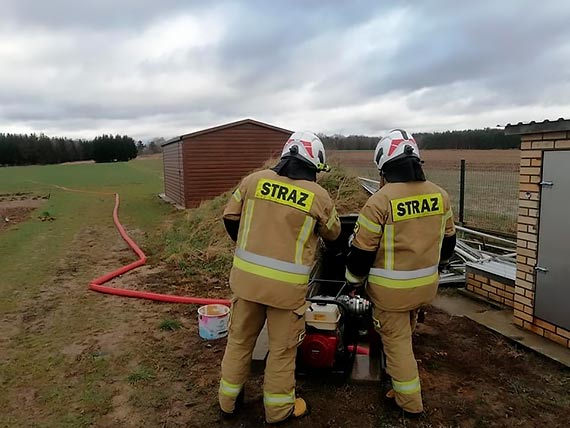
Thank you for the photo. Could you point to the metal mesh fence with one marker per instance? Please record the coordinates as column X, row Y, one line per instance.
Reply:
column 491, row 199
column 491, row 194
column 491, row 191
column 448, row 179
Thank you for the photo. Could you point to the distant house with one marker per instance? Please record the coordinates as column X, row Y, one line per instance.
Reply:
column 203, row 164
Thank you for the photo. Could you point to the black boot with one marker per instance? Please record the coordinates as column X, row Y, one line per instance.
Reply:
column 392, row 402
column 238, row 405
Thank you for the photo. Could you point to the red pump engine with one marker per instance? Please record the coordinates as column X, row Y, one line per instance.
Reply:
column 332, row 330
column 318, row 349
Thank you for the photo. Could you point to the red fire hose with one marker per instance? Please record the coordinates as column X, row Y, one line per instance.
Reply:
column 360, row 350
column 97, row 283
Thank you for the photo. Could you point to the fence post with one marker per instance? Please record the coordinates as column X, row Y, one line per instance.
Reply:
column 462, row 192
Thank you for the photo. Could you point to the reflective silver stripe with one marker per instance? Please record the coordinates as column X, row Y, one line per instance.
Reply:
column 246, row 222
column 389, row 246
column 237, row 195
column 350, row 277
column 229, row 389
column 302, row 239
column 278, row 399
column 404, row 274
column 272, row 263
column 410, row 387
column 369, row 224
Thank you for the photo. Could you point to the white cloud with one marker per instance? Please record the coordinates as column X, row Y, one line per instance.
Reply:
column 360, row 67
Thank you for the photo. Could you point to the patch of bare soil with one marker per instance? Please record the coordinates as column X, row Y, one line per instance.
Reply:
column 470, row 378
column 17, row 207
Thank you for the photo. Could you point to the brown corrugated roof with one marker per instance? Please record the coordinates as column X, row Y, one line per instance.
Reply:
column 533, row 127
column 227, row 125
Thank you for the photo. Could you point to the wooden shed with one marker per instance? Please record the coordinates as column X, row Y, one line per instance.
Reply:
column 203, row 164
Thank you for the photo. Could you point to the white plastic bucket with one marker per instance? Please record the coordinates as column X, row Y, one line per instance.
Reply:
column 213, row 321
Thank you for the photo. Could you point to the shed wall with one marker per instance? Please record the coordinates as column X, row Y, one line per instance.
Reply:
column 174, row 173
column 215, row 162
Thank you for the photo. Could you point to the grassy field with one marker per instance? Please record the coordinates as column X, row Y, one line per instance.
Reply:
column 491, row 182
column 72, row 358
column 49, row 320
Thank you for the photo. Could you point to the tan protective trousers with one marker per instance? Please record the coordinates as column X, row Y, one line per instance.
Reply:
column 286, row 330
column 396, row 329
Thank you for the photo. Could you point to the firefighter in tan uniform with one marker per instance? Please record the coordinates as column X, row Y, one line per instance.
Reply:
column 275, row 216
column 403, row 233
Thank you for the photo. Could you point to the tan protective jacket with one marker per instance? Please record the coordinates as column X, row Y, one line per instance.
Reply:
column 280, row 220
column 405, row 224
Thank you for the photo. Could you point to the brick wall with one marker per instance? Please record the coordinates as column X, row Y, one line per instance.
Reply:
column 496, row 289
column 532, row 148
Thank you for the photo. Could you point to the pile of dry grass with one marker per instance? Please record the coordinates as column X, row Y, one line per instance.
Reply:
column 196, row 243
column 345, row 189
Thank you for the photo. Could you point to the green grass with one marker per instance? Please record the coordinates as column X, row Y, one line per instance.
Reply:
column 170, row 325
column 137, row 182
column 142, row 374
column 37, row 258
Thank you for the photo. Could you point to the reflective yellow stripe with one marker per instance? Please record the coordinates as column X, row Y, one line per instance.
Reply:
column 278, row 399
column 389, row 247
column 442, row 231
column 246, row 222
column 449, row 214
column 333, row 219
column 352, row 278
column 369, row 224
column 237, row 195
column 403, row 283
column 410, row 387
column 266, row 272
column 302, row 239
column 229, row 389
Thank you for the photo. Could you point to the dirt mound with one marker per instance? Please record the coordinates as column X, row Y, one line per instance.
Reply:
column 196, row 243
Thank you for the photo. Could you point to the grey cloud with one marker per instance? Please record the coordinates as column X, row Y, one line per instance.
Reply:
column 478, row 41
column 444, row 64
column 98, row 14
column 266, row 42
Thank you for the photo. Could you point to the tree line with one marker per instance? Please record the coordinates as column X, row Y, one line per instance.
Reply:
column 471, row 139
column 33, row 149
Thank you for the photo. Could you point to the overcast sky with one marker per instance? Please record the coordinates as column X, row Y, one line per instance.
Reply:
column 152, row 68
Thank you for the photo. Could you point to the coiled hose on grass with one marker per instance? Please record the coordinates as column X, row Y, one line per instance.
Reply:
column 97, row 283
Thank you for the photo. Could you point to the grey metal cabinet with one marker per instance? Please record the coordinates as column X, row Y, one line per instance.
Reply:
column 552, row 293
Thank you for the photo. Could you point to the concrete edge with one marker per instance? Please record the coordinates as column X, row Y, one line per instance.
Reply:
column 520, row 341
column 476, row 311
column 170, row 201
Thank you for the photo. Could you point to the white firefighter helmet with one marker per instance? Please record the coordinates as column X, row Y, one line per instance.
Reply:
column 396, row 144
column 308, row 147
